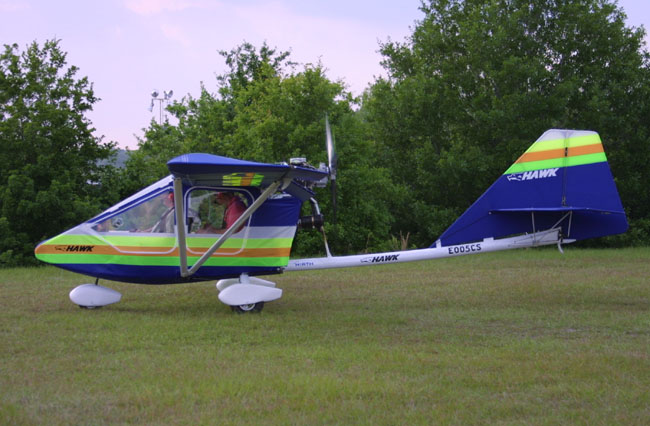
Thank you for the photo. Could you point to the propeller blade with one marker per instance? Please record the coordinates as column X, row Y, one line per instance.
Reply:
column 332, row 160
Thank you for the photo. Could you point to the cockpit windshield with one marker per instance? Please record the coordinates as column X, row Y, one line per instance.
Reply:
column 153, row 215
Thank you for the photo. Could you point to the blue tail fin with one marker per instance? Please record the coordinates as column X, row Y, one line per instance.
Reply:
column 562, row 180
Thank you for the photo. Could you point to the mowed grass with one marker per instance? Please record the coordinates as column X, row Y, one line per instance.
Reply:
column 521, row 337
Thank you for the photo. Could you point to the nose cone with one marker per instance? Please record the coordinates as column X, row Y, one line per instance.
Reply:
column 66, row 248
column 72, row 251
column 41, row 250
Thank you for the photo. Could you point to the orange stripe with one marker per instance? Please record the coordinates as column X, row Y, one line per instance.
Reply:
column 246, row 179
column 559, row 153
column 161, row 251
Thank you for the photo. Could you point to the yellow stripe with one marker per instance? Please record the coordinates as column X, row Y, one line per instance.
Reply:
column 565, row 143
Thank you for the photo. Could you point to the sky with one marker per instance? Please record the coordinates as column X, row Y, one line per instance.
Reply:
column 129, row 48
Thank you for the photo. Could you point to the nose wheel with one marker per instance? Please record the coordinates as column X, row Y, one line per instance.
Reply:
column 250, row 307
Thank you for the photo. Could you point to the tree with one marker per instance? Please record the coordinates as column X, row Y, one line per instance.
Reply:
column 478, row 81
column 50, row 179
column 266, row 111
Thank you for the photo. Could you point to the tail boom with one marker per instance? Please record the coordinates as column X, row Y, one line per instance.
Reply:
column 542, row 238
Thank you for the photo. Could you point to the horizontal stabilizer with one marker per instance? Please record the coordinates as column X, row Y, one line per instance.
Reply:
column 551, row 209
column 563, row 179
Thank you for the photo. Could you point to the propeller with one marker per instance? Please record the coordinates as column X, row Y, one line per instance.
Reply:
column 332, row 159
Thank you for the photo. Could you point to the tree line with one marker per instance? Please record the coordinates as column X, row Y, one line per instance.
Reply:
column 465, row 94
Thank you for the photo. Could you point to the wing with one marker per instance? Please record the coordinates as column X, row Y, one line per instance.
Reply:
column 214, row 170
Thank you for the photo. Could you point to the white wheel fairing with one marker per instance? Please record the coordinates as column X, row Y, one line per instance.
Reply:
column 92, row 296
column 248, row 294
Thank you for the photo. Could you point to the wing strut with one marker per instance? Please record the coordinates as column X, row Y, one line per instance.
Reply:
column 243, row 218
column 180, row 224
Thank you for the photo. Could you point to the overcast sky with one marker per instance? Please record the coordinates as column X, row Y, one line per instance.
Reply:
column 127, row 48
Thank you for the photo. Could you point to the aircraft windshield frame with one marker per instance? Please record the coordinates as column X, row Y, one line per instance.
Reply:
column 164, row 184
column 154, row 214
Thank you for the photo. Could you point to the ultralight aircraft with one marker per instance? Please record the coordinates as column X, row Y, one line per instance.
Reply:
column 559, row 191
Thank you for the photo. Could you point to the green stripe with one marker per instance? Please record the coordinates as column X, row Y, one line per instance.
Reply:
column 142, row 241
column 115, row 240
column 244, row 261
column 565, row 143
column 250, row 243
column 160, row 260
column 557, row 163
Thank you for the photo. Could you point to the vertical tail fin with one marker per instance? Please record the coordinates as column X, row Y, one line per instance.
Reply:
column 562, row 180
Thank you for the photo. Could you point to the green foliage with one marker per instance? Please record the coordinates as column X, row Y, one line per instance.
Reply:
column 146, row 165
column 247, row 67
column 49, row 176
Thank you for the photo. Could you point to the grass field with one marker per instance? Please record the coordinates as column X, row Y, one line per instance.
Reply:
column 521, row 337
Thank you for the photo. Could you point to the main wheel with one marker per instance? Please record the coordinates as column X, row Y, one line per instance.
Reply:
column 251, row 307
